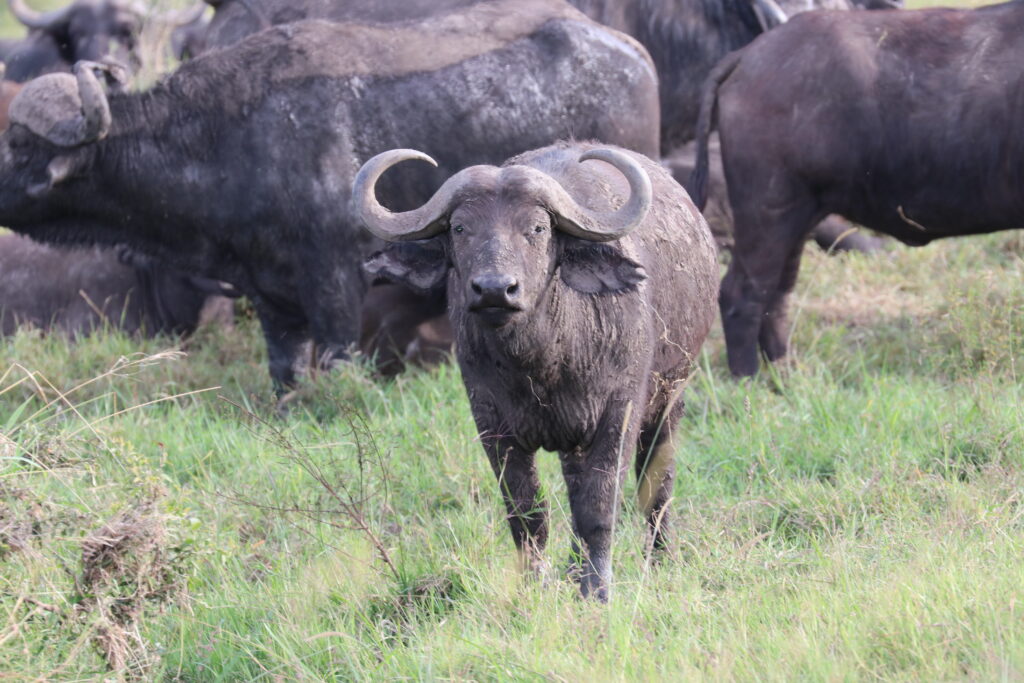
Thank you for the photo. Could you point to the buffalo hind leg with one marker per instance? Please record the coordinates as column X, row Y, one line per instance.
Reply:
column 774, row 334
column 516, row 471
column 762, row 262
column 655, row 467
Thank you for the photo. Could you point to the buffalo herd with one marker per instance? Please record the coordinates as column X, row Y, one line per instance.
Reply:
column 543, row 232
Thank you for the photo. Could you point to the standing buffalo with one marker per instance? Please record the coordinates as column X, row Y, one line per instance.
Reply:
column 905, row 122
column 581, row 286
column 238, row 166
column 77, row 290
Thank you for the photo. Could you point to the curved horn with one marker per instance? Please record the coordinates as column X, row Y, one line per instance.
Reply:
column 601, row 226
column 421, row 223
column 46, row 21
column 95, row 108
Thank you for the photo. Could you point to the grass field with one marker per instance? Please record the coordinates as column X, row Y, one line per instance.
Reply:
column 856, row 514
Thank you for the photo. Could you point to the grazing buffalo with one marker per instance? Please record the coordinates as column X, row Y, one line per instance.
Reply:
column 82, row 30
column 833, row 234
column 238, row 166
column 78, row 290
column 581, row 286
column 905, row 122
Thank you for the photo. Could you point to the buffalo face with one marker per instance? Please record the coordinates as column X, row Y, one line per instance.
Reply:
column 503, row 234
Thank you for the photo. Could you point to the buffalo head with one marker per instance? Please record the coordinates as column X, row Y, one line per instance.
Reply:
column 83, row 30
column 53, row 120
column 505, row 233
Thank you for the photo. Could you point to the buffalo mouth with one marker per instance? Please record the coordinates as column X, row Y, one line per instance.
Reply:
column 495, row 316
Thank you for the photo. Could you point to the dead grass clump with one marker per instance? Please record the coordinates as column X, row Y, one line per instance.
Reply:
column 125, row 566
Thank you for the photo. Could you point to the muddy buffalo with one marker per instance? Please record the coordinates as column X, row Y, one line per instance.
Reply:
column 238, row 166
column 905, row 122
column 581, row 285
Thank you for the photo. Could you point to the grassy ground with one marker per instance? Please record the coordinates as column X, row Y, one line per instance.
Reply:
column 856, row 514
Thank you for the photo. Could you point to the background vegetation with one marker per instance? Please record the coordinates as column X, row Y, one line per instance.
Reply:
column 855, row 513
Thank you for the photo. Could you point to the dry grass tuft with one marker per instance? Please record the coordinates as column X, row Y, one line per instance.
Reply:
column 124, row 567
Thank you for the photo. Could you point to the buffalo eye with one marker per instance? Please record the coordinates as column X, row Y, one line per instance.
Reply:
column 458, row 228
column 539, row 228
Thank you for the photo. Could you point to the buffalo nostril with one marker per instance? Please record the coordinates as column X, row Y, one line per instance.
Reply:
column 512, row 289
column 477, row 289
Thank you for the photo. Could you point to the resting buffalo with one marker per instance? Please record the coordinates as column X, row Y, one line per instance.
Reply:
column 84, row 29
column 580, row 286
column 905, row 122
column 78, row 290
column 238, row 166
column 833, row 234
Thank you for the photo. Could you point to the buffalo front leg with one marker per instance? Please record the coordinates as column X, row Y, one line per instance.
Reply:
column 594, row 479
column 287, row 338
column 333, row 299
column 516, row 471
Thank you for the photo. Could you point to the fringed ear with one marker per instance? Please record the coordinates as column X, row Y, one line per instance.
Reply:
column 592, row 268
column 58, row 170
column 422, row 265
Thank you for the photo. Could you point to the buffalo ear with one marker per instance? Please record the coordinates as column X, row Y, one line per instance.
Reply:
column 58, row 170
column 420, row 265
column 592, row 268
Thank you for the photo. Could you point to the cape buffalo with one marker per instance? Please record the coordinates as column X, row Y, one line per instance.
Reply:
column 581, row 286
column 77, row 290
column 905, row 122
column 82, row 30
column 238, row 166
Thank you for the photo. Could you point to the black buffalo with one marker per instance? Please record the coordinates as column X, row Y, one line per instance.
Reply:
column 78, row 290
column 905, row 122
column 238, row 166
column 581, row 285
column 82, row 30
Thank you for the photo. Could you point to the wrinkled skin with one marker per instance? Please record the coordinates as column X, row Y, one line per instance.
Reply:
column 915, row 130
column 263, row 138
column 570, row 345
column 93, row 30
column 833, row 235
column 75, row 291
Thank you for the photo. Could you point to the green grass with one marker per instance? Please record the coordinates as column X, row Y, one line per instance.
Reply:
column 856, row 513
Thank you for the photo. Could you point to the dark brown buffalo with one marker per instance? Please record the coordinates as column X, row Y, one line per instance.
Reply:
column 904, row 122
column 76, row 291
column 580, row 287
column 833, row 234
column 238, row 165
